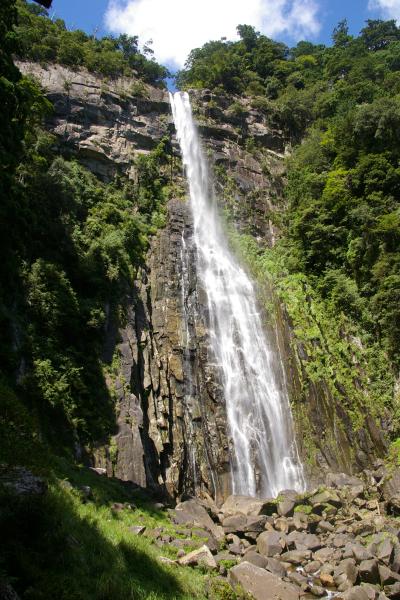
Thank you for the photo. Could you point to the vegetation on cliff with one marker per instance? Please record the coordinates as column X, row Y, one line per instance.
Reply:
column 46, row 40
column 342, row 225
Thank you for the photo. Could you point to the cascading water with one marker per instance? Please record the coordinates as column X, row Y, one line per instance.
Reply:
column 264, row 458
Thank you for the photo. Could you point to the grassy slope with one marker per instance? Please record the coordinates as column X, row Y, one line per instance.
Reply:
column 61, row 545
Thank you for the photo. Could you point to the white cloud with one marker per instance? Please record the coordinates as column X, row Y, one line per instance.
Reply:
column 177, row 26
column 390, row 9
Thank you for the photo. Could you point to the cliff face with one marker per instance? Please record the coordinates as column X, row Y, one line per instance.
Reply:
column 170, row 414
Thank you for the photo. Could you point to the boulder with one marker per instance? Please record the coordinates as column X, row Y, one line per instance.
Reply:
column 385, row 551
column 386, row 576
column 276, row 567
column 345, row 574
column 234, row 523
column 192, row 512
column 255, row 559
column 324, row 555
column 326, row 497
column 312, row 567
column 326, row 579
column 339, row 480
column 261, row 584
column 296, row 557
column 297, row 578
column 247, row 505
column 317, row 590
column 255, row 524
column 307, row 541
column 202, row 556
column 324, row 526
column 286, row 507
column 390, row 486
column 137, row 529
column 355, row 593
column 270, row 543
column 357, row 551
column 368, row 571
column 282, row 524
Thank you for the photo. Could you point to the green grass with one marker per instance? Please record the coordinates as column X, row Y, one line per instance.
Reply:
column 62, row 546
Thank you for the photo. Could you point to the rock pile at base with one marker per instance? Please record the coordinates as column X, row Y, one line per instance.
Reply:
column 342, row 540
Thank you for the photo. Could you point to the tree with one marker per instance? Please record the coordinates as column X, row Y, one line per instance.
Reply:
column 378, row 34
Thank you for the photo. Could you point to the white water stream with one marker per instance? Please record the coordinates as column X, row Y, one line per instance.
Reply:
column 264, row 458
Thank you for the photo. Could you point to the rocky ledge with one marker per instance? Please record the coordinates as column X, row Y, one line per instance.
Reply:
column 341, row 540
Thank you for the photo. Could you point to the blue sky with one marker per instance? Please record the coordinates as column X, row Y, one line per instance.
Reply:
column 179, row 25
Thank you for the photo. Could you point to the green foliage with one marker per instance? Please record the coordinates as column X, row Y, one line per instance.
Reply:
column 71, row 246
column 45, row 40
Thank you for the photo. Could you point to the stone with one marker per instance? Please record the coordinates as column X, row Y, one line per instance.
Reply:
column 269, row 543
column 355, row 593
column 297, row 578
column 193, row 512
column 312, row 567
column 360, row 553
column 327, row 579
column 98, row 470
column 396, row 559
column 345, row 573
column 255, row 559
column 308, row 541
column 137, row 529
column 202, row 556
column 368, row 571
column 372, row 590
column 387, row 576
column 324, row 526
column 247, row 505
column 261, row 584
column 275, row 566
column 300, row 521
column 296, row 557
column 385, row 551
column 236, row 549
column 166, row 560
column 340, row 480
column 326, row 497
column 282, row 524
column 391, row 485
column 255, row 524
column 317, row 591
column 234, row 523
column 339, row 541
column 324, row 555
column 286, row 507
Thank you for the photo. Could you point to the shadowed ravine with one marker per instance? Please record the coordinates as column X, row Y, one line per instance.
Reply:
column 264, row 458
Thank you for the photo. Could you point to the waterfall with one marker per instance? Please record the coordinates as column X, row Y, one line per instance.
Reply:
column 264, row 458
